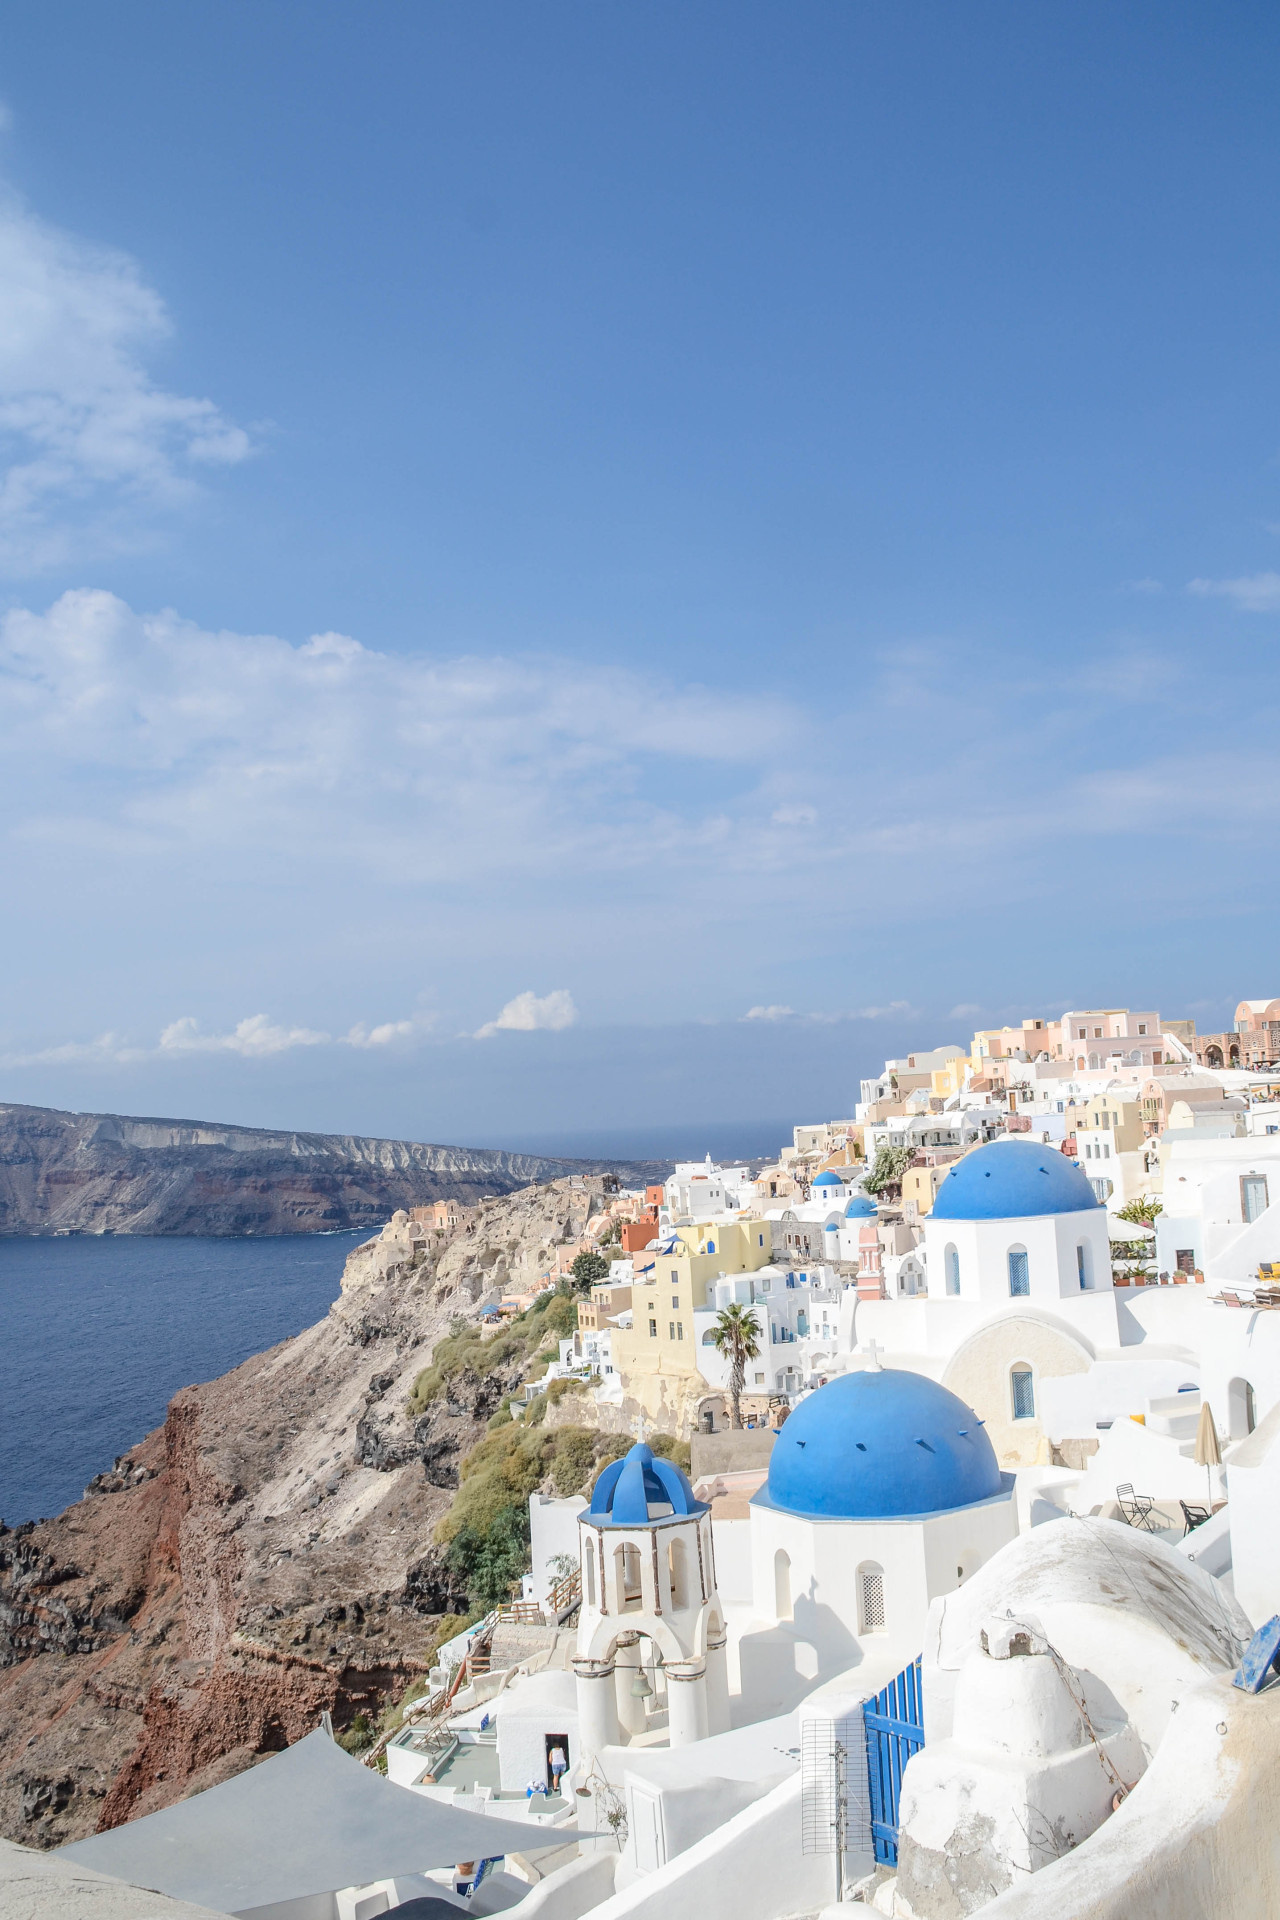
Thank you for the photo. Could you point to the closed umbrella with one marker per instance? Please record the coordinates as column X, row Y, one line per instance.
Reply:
column 1208, row 1452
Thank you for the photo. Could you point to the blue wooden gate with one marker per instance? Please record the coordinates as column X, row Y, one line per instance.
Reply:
column 895, row 1730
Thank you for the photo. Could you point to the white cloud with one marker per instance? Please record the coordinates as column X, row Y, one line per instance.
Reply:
column 896, row 1010
column 142, row 735
column 94, row 446
column 1251, row 592
column 382, row 1036
column 528, row 1014
column 109, row 1049
column 964, row 1011
column 253, row 1038
column 257, row 1037
column 392, row 828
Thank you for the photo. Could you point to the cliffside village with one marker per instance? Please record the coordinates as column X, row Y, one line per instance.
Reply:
column 1176, row 1133
column 977, row 1611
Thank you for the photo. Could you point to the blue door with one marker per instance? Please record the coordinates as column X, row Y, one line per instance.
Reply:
column 894, row 1726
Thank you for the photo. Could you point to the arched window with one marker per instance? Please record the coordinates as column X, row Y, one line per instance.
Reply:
column 1019, row 1271
column 1023, row 1393
column 677, row 1569
column 711, row 1246
column 1082, row 1265
column 626, row 1565
column 951, row 1268
column 870, row 1587
column 709, row 1338
column 782, row 1585
column 590, row 1570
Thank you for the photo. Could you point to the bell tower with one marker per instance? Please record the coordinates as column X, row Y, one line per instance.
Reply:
column 651, row 1627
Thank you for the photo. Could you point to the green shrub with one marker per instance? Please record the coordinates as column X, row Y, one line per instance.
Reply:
column 467, row 1345
column 667, row 1447
column 587, row 1269
column 357, row 1735
column 575, row 1457
column 485, row 1533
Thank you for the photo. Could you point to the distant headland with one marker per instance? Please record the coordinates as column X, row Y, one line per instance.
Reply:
column 110, row 1173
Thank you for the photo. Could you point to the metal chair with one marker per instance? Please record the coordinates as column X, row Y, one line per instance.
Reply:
column 1194, row 1517
column 1136, row 1508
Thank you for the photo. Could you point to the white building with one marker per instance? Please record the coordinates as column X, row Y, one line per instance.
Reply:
column 803, row 1326
column 954, row 1130
column 1221, row 1205
column 700, row 1190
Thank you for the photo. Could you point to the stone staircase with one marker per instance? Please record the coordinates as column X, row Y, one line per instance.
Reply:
column 517, row 1640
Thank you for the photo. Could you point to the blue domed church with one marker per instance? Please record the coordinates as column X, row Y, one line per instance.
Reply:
column 1017, row 1260
column 883, row 1491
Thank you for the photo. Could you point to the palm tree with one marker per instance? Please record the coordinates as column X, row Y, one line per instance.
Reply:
column 737, row 1336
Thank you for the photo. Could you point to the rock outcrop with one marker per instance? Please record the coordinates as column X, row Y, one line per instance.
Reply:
column 104, row 1173
column 265, row 1555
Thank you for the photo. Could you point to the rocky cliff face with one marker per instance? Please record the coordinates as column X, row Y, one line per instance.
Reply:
column 267, row 1553
column 102, row 1173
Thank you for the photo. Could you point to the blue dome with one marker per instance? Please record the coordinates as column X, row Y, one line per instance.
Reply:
column 828, row 1179
column 1012, row 1180
column 880, row 1446
column 861, row 1207
column 639, row 1489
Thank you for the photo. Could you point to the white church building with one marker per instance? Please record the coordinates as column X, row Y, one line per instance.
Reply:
column 1022, row 1319
column 883, row 1491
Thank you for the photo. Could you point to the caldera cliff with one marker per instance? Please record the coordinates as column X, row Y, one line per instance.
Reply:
column 269, row 1552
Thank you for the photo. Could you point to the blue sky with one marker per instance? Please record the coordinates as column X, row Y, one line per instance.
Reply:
column 529, row 533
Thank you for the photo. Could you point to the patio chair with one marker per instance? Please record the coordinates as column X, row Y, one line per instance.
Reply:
column 1136, row 1509
column 1194, row 1517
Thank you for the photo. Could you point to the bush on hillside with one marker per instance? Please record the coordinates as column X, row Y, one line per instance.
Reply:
column 485, row 1533
column 467, row 1346
column 667, row 1447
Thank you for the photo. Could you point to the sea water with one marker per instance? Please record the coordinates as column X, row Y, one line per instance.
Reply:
column 98, row 1333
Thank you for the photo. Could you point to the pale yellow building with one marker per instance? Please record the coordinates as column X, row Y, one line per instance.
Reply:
column 920, row 1188
column 656, row 1356
column 1117, row 1116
